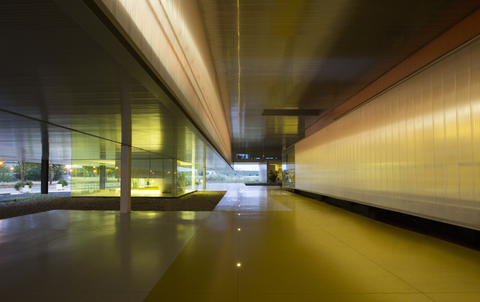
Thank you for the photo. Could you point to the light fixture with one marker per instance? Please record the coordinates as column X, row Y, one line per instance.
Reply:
column 239, row 229
column 116, row 168
column 239, row 264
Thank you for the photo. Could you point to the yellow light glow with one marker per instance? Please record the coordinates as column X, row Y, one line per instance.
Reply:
column 116, row 168
column 238, row 214
column 239, row 229
column 94, row 171
column 71, row 170
column 94, row 167
column 158, row 21
column 11, row 168
column 1, row 162
column 239, row 264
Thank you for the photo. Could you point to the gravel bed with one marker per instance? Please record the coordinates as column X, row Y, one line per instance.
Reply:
column 9, row 196
column 198, row 201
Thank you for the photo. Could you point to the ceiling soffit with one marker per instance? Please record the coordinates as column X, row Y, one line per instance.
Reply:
column 303, row 54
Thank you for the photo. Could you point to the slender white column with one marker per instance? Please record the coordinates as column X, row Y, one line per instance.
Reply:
column 126, row 156
column 204, row 167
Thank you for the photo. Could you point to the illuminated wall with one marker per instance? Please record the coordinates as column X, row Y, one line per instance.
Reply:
column 413, row 149
column 170, row 35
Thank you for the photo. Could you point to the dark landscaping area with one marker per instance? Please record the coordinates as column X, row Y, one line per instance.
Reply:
column 17, row 206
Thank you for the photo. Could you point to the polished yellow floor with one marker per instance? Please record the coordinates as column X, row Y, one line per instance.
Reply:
column 289, row 248
column 292, row 248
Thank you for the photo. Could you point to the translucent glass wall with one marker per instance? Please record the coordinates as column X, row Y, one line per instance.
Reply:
column 413, row 149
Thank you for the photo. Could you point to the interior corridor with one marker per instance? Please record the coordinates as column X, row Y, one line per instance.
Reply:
column 259, row 244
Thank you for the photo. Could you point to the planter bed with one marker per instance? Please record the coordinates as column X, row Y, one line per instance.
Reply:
column 198, row 201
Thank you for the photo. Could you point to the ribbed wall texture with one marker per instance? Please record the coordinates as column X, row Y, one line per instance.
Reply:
column 414, row 149
column 171, row 36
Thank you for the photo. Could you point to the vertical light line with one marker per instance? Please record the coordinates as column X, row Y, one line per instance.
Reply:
column 239, row 69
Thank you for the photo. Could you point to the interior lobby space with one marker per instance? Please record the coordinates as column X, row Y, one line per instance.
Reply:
column 259, row 244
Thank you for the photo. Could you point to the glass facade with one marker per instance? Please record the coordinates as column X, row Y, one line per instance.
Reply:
column 150, row 177
column 94, row 178
column 288, row 168
column 187, row 177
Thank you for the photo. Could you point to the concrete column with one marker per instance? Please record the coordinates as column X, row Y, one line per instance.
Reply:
column 45, row 156
column 44, row 177
column 103, row 176
column 204, row 167
column 126, row 183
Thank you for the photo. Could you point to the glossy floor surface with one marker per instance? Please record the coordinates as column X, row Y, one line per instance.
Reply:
column 289, row 248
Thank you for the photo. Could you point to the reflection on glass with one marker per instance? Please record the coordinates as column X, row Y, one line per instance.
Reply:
column 187, row 177
column 288, row 168
column 94, row 178
column 150, row 177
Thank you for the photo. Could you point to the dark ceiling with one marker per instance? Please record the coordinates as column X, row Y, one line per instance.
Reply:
column 305, row 54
